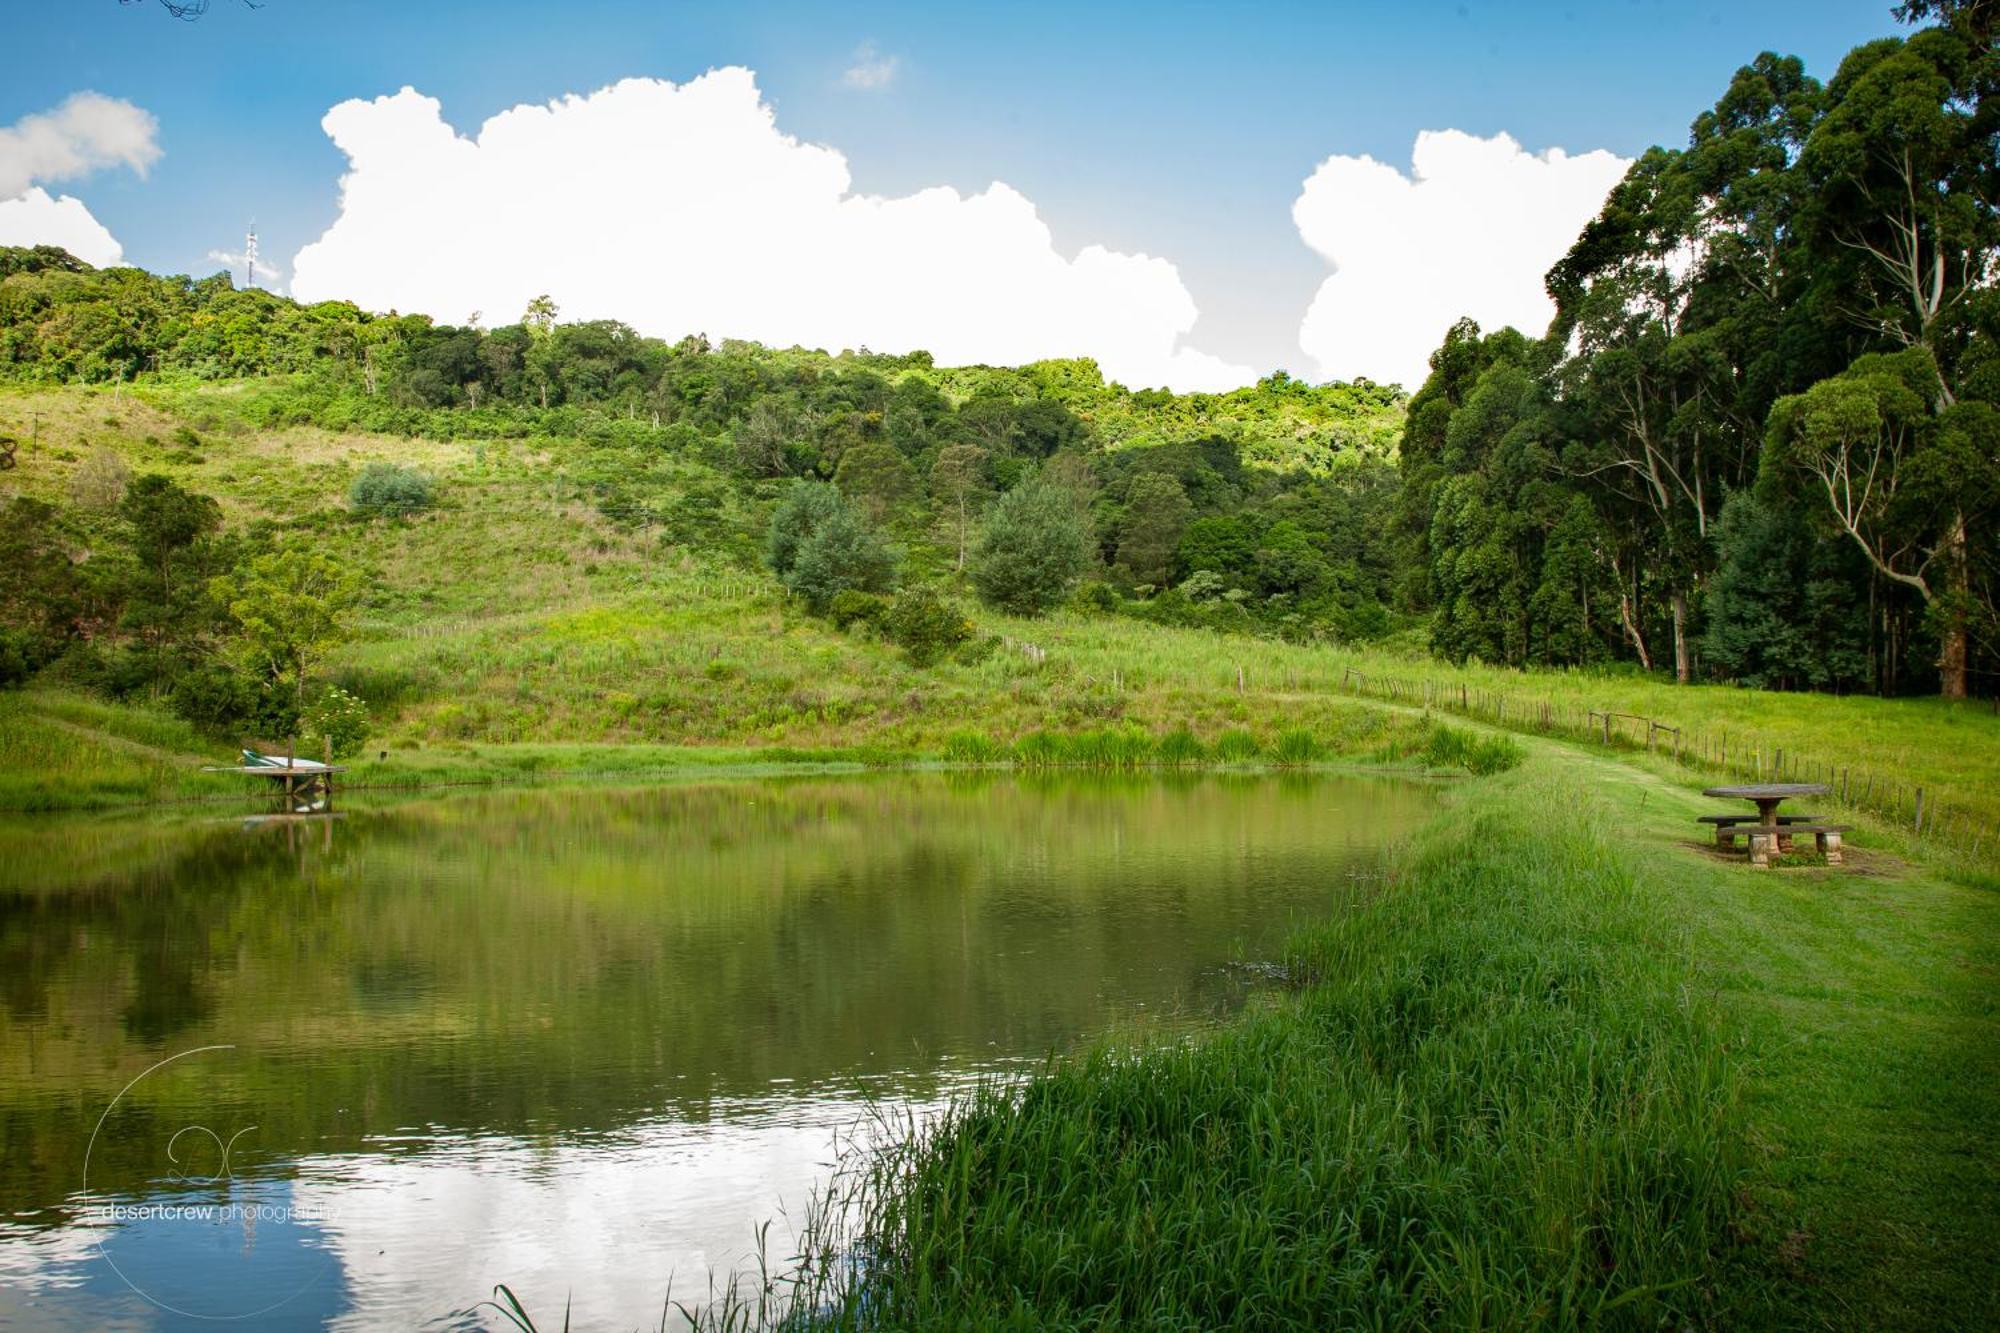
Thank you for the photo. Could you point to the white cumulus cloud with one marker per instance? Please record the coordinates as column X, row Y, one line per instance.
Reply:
column 1470, row 232
column 86, row 133
column 683, row 208
column 36, row 218
column 871, row 69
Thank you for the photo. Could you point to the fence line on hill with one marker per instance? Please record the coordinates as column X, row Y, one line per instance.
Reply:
column 1900, row 803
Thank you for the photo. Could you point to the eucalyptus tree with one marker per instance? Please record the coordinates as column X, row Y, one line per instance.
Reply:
column 959, row 490
column 1901, row 182
column 1668, row 311
column 1914, row 489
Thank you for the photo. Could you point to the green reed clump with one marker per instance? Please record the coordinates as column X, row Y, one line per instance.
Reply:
column 1482, row 756
column 1238, row 747
column 1296, row 746
column 1116, row 747
column 1498, row 1102
column 1039, row 749
column 1180, row 746
column 970, row 747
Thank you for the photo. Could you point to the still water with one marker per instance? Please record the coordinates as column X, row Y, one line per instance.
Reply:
column 352, row 1073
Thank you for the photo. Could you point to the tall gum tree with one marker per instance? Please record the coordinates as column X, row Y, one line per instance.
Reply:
column 1667, row 307
column 1907, row 483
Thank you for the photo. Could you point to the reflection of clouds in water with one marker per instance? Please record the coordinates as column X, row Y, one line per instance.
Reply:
column 45, row 1260
column 245, row 1254
column 604, row 1223
column 607, row 1223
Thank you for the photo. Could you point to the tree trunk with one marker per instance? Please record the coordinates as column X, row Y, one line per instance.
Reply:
column 1633, row 632
column 1683, row 668
column 1951, row 633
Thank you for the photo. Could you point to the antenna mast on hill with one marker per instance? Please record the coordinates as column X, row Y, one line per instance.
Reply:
column 250, row 257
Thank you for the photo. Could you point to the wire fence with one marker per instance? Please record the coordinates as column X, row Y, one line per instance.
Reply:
column 1901, row 804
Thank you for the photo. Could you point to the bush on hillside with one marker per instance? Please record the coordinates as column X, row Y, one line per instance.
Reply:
column 820, row 547
column 1035, row 545
column 850, row 607
column 17, row 658
column 389, row 490
column 927, row 627
column 339, row 717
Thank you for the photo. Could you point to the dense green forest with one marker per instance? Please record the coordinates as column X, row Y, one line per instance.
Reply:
column 1760, row 443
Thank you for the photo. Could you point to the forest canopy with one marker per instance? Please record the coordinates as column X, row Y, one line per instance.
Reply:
column 1759, row 442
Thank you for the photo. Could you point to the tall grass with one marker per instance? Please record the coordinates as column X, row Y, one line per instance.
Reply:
column 1481, row 756
column 1495, row 1101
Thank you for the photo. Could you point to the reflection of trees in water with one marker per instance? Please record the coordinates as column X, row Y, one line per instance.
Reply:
column 564, row 961
column 156, row 915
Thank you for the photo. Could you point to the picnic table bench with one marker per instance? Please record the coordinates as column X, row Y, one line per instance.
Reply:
column 1764, row 840
column 1769, row 832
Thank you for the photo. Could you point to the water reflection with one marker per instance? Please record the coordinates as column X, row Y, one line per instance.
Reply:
column 576, row 1040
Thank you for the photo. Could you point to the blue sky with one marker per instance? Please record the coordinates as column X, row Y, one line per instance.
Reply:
column 1177, row 130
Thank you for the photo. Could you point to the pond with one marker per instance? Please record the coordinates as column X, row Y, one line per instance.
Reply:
column 353, row 1072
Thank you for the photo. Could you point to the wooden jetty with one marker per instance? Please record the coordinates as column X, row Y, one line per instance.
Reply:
column 305, row 785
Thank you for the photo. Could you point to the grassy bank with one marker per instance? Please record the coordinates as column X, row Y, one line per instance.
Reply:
column 66, row 751
column 522, row 613
column 1494, row 1099
column 1570, row 1072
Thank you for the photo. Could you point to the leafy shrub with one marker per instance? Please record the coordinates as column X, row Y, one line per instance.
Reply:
column 390, row 490
column 218, row 699
column 1448, row 747
column 340, row 717
column 17, row 657
column 850, row 607
column 1203, row 585
column 926, row 626
column 1095, row 595
column 978, row 649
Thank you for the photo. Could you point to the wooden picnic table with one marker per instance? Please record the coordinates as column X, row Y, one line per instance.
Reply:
column 1774, row 832
column 1768, row 796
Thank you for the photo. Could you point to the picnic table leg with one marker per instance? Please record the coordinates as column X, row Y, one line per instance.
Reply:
column 1761, row 847
column 1767, row 815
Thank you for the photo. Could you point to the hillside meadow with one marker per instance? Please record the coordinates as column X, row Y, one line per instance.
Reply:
column 520, row 627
